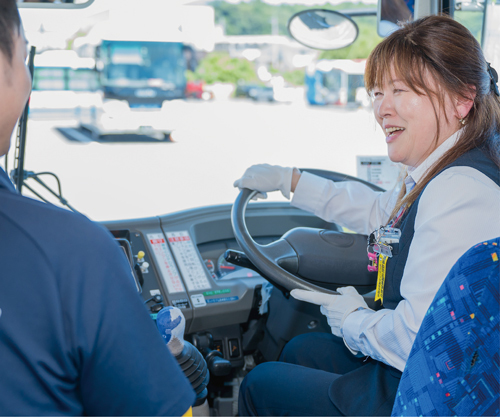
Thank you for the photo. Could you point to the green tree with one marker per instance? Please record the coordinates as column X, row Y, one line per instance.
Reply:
column 472, row 20
column 361, row 48
column 251, row 18
column 220, row 67
column 295, row 77
column 256, row 18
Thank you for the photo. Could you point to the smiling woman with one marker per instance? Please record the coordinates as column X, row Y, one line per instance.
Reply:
column 436, row 100
column 409, row 119
column 432, row 93
column 165, row 202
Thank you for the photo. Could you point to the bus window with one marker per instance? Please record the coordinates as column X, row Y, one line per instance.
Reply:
column 82, row 80
column 53, row 79
column 64, row 79
column 142, row 72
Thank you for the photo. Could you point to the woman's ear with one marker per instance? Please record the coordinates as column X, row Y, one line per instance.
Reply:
column 463, row 105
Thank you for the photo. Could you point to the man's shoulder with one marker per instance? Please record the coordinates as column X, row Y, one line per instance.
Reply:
column 47, row 223
column 60, row 245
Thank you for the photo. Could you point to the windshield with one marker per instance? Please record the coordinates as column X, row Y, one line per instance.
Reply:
column 162, row 125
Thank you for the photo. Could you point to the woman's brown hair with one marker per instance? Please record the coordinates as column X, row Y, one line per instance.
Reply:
column 445, row 49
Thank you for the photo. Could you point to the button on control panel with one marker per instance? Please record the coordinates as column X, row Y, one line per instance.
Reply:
column 234, row 348
column 217, row 345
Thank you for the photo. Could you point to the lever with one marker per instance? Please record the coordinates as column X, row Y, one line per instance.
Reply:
column 239, row 258
column 157, row 298
column 171, row 324
column 217, row 365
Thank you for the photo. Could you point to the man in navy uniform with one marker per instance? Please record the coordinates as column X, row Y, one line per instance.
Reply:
column 75, row 338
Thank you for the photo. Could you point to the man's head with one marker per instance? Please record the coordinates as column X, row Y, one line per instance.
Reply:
column 10, row 23
column 15, row 79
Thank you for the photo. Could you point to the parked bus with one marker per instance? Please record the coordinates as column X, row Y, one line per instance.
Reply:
column 65, row 82
column 336, row 82
column 64, row 71
column 143, row 73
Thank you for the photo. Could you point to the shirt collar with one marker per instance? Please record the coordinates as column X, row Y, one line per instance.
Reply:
column 5, row 181
column 418, row 173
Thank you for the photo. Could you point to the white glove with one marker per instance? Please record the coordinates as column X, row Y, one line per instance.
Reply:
column 335, row 307
column 265, row 177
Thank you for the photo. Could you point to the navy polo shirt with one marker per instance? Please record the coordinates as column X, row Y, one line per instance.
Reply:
column 75, row 337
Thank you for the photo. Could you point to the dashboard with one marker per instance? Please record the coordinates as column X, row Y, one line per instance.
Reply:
column 178, row 260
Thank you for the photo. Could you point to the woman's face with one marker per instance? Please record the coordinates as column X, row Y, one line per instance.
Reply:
column 15, row 86
column 409, row 122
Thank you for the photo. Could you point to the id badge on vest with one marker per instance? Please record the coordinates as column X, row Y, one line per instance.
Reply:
column 380, row 246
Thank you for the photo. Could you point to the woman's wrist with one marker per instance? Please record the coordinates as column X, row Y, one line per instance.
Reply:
column 295, row 179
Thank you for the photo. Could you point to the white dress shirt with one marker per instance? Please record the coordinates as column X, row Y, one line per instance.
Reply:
column 458, row 209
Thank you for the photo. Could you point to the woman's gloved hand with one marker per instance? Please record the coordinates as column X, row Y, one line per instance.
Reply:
column 264, row 178
column 335, row 307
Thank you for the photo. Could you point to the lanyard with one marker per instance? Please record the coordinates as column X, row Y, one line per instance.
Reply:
column 379, row 250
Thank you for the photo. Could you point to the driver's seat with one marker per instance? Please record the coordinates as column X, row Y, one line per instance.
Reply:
column 453, row 367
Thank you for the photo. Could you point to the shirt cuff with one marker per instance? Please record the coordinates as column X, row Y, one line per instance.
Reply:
column 351, row 330
column 307, row 195
column 356, row 353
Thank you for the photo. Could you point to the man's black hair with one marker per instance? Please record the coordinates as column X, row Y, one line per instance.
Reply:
column 10, row 22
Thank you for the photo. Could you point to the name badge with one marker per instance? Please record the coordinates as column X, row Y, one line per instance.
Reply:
column 389, row 235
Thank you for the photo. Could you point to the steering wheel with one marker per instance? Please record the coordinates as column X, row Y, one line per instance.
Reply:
column 279, row 259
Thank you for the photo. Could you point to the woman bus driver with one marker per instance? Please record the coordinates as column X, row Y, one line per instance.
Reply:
column 436, row 98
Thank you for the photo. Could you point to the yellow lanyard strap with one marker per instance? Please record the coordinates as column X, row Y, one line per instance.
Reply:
column 379, row 294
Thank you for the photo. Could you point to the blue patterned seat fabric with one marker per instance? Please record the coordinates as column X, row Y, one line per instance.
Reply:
column 453, row 367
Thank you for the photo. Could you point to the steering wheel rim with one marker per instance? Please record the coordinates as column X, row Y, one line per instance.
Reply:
column 257, row 253
column 264, row 256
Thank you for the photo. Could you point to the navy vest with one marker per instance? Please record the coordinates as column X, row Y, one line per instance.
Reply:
column 376, row 383
column 475, row 158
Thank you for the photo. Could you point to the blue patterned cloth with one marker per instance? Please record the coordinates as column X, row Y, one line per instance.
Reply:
column 453, row 367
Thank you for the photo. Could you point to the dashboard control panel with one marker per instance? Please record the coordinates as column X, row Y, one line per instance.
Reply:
column 178, row 260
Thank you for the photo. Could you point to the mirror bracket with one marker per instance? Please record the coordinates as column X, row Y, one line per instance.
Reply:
column 40, row 4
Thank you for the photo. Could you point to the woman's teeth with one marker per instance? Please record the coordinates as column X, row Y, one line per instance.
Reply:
column 390, row 130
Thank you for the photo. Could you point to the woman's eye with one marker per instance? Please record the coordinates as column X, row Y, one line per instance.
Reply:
column 376, row 94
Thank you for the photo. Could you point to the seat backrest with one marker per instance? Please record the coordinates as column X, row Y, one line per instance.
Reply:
column 453, row 367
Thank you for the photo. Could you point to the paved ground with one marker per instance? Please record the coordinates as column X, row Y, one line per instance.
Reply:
column 214, row 143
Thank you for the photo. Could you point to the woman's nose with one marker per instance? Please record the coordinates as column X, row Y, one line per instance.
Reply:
column 385, row 106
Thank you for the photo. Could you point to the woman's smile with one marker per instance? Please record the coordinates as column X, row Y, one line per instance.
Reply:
column 392, row 133
column 410, row 122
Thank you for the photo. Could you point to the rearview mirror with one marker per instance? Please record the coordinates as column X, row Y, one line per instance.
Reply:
column 390, row 12
column 54, row 4
column 323, row 29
